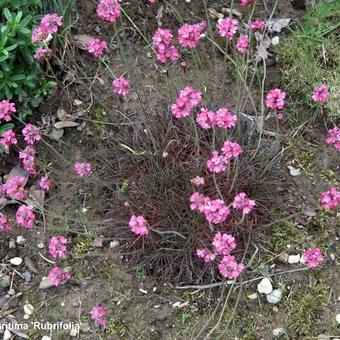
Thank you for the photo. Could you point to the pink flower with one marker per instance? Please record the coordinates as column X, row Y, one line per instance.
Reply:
column 231, row 150
column 7, row 139
column 313, row 257
column 320, row 93
column 25, row 216
column 121, row 86
column 96, row 47
column 109, row 10
column 42, row 53
column 275, row 99
column 45, row 183
column 189, row 35
column 39, row 35
column 227, row 27
column 58, row 246
column 334, row 137
column 206, row 255
column 257, row 25
column 4, row 225
column 98, row 315
column 31, row 134
column 6, row 109
column 152, row 1
column 229, row 268
column 246, row 2
column 223, row 243
column 83, row 169
column 217, row 163
column 206, row 119
column 29, row 161
column 161, row 40
column 197, row 201
column 59, row 276
column 187, row 100
column 14, row 188
column 50, row 23
column 194, row 97
column 215, row 211
column 242, row 43
column 330, row 199
column 138, row 225
column 224, row 119
column 244, row 203
column 198, row 181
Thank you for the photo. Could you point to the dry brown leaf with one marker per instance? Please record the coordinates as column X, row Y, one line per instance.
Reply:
column 65, row 124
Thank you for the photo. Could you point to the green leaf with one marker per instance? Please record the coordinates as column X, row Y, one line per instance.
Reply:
column 7, row 14
column 17, row 77
column 6, row 127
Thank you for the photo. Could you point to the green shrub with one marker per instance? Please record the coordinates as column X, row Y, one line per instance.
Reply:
column 21, row 76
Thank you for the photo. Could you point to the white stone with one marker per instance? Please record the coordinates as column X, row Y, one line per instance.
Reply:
column 114, row 244
column 26, row 316
column 278, row 331
column 41, row 245
column 28, row 309
column 265, row 286
column 252, row 296
column 337, row 318
column 7, row 335
column 294, row 259
column 74, row 332
column 12, row 243
column 16, row 261
column 45, row 337
column 275, row 40
column 45, row 283
column 20, row 240
column 275, row 296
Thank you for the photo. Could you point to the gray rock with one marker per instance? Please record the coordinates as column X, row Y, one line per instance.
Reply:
column 16, row 261
column 5, row 281
column 84, row 327
column 294, row 259
column 20, row 240
column 279, row 331
column 27, row 277
column 45, row 283
column 275, row 296
column 12, row 243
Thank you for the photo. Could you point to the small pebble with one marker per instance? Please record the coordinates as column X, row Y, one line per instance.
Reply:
column 20, row 240
column 278, row 331
column 45, row 283
column 275, row 296
column 11, row 292
column 12, row 243
column 16, row 261
column 252, row 296
column 294, row 259
column 5, row 281
column 27, row 277
column 265, row 286
column 337, row 318
column 283, row 257
column 45, row 337
column 84, row 327
column 74, row 332
column 28, row 309
column 7, row 335
column 41, row 245
column 114, row 244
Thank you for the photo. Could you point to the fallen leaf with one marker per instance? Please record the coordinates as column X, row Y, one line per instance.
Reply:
column 214, row 14
column 262, row 49
column 56, row 134
column 18, row 171
column 232, row 12
column 159, row 16
column 61, row 114
column 309, row 212
column 82, row 40
column 277, row 25
column 98, row 242
column 65, row 124
column 37, row 195
column 294, row 171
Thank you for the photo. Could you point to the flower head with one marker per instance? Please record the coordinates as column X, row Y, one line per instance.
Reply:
column 229, row 268
column 14, row 188
column 206, row 119
column 334, row 137
column 215, row 211
column 59, row 276
column 244, row 203
column 98, row 315
column 25, row 216
column 138, row 225
column 39, row 35
column 313, row 257
column 227, row 27
column 45, row 183
column 223, row 243
column 257, row 25
column 121, row 86
column 83, row 169
column 217, row 163
column 57, row 246
column 50, row 23
column 231, row 149
column 42, row 53
column 29, row 161
column 275, row 99
column 96, row 47
column 6, row 109
column 320, row 93
column 224, row 119
column 4, row 225
column 7, row 139
column 246, row 2
column 330, row 198
column 188, row 99
column 198, row 181
column 109, row 10
column 242, row 43
column 206, row 255
column 189, row 35
column 162, row 42
column 31, row 134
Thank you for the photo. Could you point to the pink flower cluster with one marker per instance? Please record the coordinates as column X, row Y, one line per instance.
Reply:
column 96, row 46
column 31, row 134
column 7, row 139
column 57, row 246
column 189, row 35
column 313, row 257
column 223, row 244
column 162, row 42
column 187, row 101
column 25, row 216
column 59, row 276
column 45, row 183
column 334, row 137
column 246, row 2
column 98, row 315
column 275, row 99
column 4, row 225
column 320, row 94
column 121, row 86
column 42, row 53
column 222, row 118
column 244, row 203
column 138, row 225
column 29, row 161
column 242, row 43
column 219, row 161
column 109, row 10
column 6, row 110
column 198, row 181
column 83, row 169
column 14, row 188
column 227, row 27
column 257, row 25
column 330, row 199
column 215, row 211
